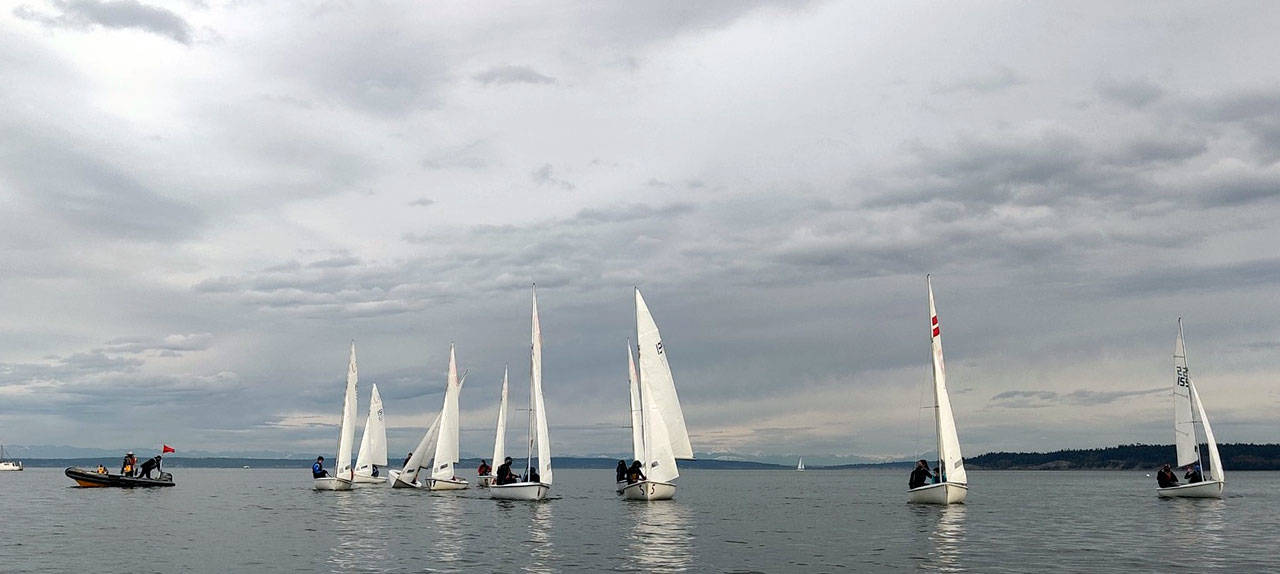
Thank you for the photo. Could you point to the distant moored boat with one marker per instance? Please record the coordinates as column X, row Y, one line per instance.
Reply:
column 6, row 464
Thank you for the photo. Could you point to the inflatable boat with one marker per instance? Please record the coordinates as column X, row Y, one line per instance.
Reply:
column 94, row 479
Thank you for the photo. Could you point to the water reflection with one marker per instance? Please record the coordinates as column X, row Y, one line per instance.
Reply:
column 359, row 534
column 542, row 551
column 1198, row 525
column 448, row 539
column 661, row 537
column 944, row 527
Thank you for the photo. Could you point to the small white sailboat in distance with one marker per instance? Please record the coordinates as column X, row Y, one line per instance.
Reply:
column 343, row 474
column 952, row 486
column 531, row 487
column 662, row 437
column 373, row 445
column 446, row 452
column 1188, row 411
column 6, row 464
column 800, row 465
column 500, row 437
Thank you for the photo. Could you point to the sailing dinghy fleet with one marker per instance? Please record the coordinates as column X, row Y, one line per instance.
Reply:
column 660, row 437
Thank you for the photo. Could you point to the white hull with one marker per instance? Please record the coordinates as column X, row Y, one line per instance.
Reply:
column 484, row 481
column 11, row 465
column 331, row 483
column 520, row 491
column 367, row 480
column 446, row 484
column 941, row 493
column 648, row 490
column 395, row 481
column 1207, row 489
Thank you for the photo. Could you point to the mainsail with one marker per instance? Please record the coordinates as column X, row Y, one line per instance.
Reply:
column 539, row 408
column 948, row 440
column 500, row 441
column 373, row 445
column 347, row 436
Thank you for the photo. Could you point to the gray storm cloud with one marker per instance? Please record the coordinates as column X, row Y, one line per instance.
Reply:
column 195, row 230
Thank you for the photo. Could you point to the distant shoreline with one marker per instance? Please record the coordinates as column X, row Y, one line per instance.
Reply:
column 1135, row 457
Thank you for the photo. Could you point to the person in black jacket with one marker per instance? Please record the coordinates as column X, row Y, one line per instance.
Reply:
column 622, row 471
column 505, row 476
column 920, row 476
column 635, row 474
column 1165, row 478
column 1193, row 474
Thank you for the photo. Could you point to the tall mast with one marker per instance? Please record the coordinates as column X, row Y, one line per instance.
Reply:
column 1191, row 397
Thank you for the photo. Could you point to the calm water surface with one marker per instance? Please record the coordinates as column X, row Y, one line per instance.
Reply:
column 225, row 520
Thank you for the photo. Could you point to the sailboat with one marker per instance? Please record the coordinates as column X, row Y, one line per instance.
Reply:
column 952, row 486
column 6, row 464
column 800, row 465
column 1188, row 411
column 343, row 474
column 373, row 445
column 428, row 447
column 528, row 489
column 500, row 437
column 446, row 453
column 658, row 433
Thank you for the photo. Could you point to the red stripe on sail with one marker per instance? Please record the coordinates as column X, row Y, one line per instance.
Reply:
column 937, row 331
column 935, row 320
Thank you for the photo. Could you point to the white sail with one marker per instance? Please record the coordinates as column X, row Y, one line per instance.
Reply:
column 373, row 445
column 446, row 451
column 500, row 440
column 657, row 384
column 1184, row 423
column 424, row 451
column 1215, row 461
column 659, row 460
column 637, row 417
column 347, row 436
column 948, row 440
column 800, row 464
column 539, row 408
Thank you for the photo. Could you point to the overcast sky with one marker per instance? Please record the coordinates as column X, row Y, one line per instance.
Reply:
column 203, row 202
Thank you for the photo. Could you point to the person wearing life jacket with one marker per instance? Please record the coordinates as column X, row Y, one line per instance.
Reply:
column 505, row 476
column 621, row 472
column 483, row 469
column 317, row 469
column 634, row 474
column 129, row 464
column 102, row 469
column 920, row 476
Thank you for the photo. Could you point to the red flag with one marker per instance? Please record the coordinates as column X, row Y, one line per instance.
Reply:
column 167, row 449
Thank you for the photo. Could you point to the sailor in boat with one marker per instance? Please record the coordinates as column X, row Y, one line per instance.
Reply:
column 634, row 474
column 102, row 469
column 1193, row 473
column 483, row 469
column 406, row 459
column 505, row 476
column 938, row 476
column 317, row 469
column 130, row 462
column 1165, row 478
column 622, row 471
column 534, row 476
column 149, row 465
column 921, row 475
column 374, row 471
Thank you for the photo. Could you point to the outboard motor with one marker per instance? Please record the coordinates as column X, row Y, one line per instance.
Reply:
column 166, row 477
